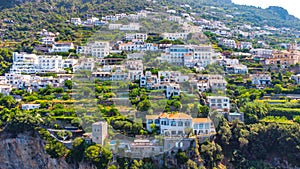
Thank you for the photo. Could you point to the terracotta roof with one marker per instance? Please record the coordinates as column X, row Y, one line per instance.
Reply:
column 151, row 116
column 201, row 120
column 170, row 116
column 179, row 116
column 163, row 115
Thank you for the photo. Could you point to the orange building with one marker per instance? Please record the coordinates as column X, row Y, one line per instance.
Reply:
column 284, row 57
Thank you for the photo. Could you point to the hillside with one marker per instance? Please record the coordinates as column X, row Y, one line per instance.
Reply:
column 272, row 16
column 31, row 16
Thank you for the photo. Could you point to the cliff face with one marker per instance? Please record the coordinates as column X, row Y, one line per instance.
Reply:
column 27, row 152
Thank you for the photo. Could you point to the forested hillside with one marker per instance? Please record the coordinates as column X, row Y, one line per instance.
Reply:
column 30, row 17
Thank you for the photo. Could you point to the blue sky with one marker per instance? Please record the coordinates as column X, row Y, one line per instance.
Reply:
column 291, row 5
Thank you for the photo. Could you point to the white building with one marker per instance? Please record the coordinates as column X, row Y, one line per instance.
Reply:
column 237, row 69
column 171, row 89
column 296, row 78
column 129, row 27
column 228, row 62
column 76, row 21
column 5, row 89
column 130, row 46
column 30, row 106
column 228, row 43
column 206, row 82
column 261, row 79
column 262, row 53
column 203, row 85
column 244, row 45
column 177, row 19
column 91, row 21
column 48, row 40
column 31, row 63
column 97, row 49
column 61, row 47
column 175, row 36
column 69, row 63
column 114, row 26
column 50, row 63
column 33, row 82
column 136, row 37
column 220, row 103
column 99, row 132
column 111, row 18
column 188, row 55
column 85, row 64
column 178, row 124
column 135, row 74
column 45, row 33
column 17, row 80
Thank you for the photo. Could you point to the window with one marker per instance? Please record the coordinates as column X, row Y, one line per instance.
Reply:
column 195, row 126
column 200, row 126
column 187, row 123
column 173, row 123
column 180, row 123
column 207, row 126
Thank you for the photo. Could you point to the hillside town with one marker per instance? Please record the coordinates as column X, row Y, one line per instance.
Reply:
column 145, row 93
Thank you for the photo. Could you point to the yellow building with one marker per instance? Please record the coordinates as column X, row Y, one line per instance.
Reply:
column 285, row 57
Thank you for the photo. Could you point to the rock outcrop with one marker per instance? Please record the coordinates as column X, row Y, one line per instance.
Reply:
column 26, row 151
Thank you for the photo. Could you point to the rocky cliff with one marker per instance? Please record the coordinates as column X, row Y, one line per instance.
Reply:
column 26, row 151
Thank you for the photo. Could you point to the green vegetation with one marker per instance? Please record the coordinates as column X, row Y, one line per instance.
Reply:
column 98, row 155
column 271, row 128
column 245, row 144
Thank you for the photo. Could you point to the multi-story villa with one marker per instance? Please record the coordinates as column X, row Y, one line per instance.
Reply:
column 178, row 124
column 244, row 45
column 136, row 37
column 61, row 47
column 261, row 79
column 228, row 43
column 31, row 63
column 237, row 69
column 219, row 103
column 138, row 46
column 96, row 49
column 188, row 55
column 174, row 36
